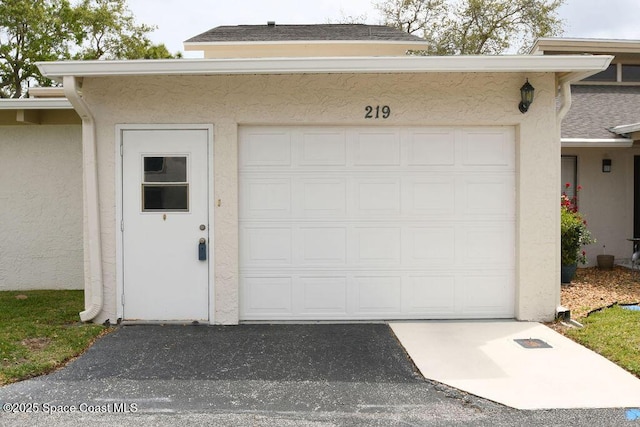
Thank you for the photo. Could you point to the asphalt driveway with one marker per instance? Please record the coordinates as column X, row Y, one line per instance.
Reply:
column 348, row 352
column 315, row 374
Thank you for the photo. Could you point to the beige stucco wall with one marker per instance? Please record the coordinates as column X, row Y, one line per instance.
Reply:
column 340, row 99
column 41, row 207
column 606, row 199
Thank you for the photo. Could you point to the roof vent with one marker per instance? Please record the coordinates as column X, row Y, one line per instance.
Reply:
column 271, row 23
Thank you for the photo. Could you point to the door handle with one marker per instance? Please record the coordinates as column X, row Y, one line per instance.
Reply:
column 202, row 249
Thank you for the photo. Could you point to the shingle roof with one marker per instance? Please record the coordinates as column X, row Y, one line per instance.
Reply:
column 317, row 32
column 595, row 109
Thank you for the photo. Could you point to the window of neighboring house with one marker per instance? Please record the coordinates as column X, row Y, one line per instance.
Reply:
column 569, row 168
column 630, row 73
column 608, row 75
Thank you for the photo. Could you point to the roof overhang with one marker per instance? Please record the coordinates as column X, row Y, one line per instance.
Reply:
column 626, row 129
column 560, row 45
column 569, row 68
column 596, row 143
column 36, row 104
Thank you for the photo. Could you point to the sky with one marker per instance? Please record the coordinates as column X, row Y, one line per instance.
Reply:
column 178, row 20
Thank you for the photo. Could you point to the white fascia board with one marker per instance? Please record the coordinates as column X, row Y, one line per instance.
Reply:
column 596, row 143
column 402, row 64
column 626, row 129
column 35, row 104
column 580, row 45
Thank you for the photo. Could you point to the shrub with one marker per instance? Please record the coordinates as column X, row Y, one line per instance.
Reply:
column 573, row 231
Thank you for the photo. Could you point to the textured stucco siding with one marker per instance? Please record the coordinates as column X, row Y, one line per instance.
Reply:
column 340, row 99
column 606, row 199
column 41, row 207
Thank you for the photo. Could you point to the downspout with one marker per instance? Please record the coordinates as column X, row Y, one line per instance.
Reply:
column 91, row 199
column 565, row 95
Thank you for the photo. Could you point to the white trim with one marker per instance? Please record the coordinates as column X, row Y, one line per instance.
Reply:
column 625, row 129
column 596, row 142
column 581, row 65
column 119, row 219
column 586, row 40
column 211, row 182
column 555, row 44
column 36, row 104
column 119, row 129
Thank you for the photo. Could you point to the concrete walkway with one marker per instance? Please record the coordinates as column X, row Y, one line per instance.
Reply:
column 482, row 358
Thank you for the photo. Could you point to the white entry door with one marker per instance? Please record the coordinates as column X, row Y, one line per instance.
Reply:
column 165, row 219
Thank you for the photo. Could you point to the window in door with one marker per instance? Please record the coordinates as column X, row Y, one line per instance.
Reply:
column 165, row 187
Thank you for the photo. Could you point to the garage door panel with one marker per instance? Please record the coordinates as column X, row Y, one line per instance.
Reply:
column 434, row 148
column 266, row 198
column 266, row 246
column 488, row 148
column 490, row 245
column 375, row 246
column 431, row 294
column 378, row 295
column 429, row 195
column 486, row 294
column 324, row 295
column 320, row 197
column 378, row 148
column 323, row 148
column 491, row 195
column 268, row 295
column 376, row 197
column 429, row 246
column 324, row 245
column 266, row 148
column 377, row 223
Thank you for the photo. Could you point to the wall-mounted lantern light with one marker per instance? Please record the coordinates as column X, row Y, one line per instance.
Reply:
column 526, row 95
column 606, row 165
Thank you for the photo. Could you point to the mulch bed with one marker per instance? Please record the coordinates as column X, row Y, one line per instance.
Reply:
column 593, row 289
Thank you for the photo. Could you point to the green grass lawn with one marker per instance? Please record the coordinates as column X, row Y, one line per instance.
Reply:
column 615, row 334
column 40, row 331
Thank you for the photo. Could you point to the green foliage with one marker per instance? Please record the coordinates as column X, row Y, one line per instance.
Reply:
column 474, row 27
column 106, row 29
column 573, row 232
column 574, row 235
column 49, row 30
column 39, row 331
column 613, row 333
column 30, row 31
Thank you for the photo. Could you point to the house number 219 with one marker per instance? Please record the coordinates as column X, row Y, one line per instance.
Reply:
column 377, row 112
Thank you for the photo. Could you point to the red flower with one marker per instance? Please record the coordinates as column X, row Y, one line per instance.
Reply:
column 567, row 185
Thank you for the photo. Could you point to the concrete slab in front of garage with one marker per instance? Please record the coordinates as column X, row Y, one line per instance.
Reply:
column 483, row 358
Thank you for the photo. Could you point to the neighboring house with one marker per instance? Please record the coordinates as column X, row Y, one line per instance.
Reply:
column 40, row 193
column 287, row 176
column 599, row 150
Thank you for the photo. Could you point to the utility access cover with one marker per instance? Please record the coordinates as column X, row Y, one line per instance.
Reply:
column 532, row 343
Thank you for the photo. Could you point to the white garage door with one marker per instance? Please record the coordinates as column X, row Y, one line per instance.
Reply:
column 376, row 223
